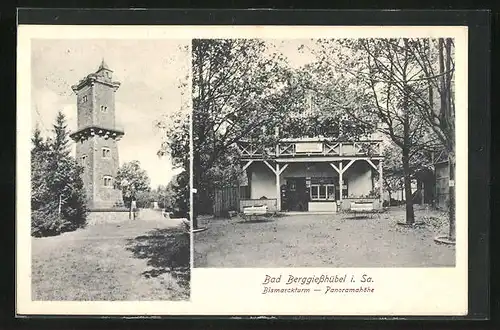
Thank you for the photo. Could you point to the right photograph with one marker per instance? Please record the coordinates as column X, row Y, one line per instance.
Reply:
column 323, row 152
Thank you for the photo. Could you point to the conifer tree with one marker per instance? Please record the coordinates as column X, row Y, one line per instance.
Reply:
column 58, row 198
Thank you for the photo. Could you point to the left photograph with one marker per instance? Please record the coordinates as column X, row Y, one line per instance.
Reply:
column 110, row 170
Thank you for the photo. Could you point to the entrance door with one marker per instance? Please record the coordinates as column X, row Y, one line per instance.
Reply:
column 297, row 196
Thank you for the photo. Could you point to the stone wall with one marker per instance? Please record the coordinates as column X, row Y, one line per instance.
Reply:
column 96, row 168
column 85, row 104
column 105, row 196
column 104, row 95
column 85, row 148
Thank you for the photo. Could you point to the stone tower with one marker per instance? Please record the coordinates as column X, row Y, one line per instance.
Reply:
column 96, row 137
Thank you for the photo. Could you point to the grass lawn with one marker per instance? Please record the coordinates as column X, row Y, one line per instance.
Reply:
column 126, row 261
column 334, row 240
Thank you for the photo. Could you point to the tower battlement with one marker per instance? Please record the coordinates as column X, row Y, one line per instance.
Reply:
column 96, row 137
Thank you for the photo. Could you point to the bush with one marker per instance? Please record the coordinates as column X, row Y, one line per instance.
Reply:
column 46, row 222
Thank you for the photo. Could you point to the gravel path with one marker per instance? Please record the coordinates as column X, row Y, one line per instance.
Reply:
column 336, row 240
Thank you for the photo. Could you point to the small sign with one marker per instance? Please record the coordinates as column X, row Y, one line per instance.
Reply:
column 452, row 183
column 308, row 147
column 194, row 190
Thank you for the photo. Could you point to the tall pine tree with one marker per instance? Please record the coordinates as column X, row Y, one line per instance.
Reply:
column 58, row 197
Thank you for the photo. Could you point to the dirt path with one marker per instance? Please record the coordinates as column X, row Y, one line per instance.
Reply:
column 320, row 241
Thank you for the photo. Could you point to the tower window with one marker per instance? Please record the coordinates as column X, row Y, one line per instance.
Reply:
column 104, row 108
column 84, row 98
column 107, row 181
column 106, row 153
column 84, row 160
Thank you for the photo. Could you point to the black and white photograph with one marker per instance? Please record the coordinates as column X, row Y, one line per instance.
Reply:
column 250, row 170
column 109, row 180
column 324, row 152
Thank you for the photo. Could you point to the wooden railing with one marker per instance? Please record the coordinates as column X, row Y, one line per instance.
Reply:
column 312, row 148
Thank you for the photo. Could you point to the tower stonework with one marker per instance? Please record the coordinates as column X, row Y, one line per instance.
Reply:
column 96, row 137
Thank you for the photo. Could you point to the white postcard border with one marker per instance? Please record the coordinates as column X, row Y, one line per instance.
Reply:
column 399, row 291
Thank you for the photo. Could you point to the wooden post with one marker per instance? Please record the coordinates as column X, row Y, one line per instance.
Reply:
column 276, row 135
column 381, row 182
column 341, row 180
column 278, row 188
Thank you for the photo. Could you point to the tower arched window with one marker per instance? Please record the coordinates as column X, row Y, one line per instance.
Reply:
column 84, row 160
column 104, row 108
column 107, row 181
column 106, row 152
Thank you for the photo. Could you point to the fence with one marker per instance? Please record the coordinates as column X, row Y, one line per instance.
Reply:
column 226, row 199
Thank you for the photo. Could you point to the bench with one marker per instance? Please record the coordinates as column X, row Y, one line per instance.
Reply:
column 362, row 207
column 254, row 211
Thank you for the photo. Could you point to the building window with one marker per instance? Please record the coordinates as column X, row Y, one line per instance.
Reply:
column 104, row 108
column 84, row 160
column 107, row 181
column 321, row 192
column 84, row 98
column 106, row 153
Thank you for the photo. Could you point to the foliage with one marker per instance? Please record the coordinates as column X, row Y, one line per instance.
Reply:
column 132, row 180
column 165, row 196
column 238, row 89
column 180, row 185
column 144, row 198
column 175, row 126
column 55, row 181
column 313, row 110
column 380, row 79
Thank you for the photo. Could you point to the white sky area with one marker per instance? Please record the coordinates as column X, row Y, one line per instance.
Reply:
column 289, row 48
column 149, row 72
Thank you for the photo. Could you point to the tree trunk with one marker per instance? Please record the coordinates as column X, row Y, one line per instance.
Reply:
column 196, row 155
column 451, row 201
column 196, row 184
column 410, row 217
column 407, row 143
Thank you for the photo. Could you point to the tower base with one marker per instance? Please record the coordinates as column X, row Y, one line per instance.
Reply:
column 103, row 216
column 110, row 199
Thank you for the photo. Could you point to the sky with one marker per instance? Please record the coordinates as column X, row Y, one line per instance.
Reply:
column 289, row 49
column 149, row 71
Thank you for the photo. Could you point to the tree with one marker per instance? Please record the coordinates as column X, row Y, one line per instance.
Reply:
column 176, row 144
column 376, row 80
column 175, row 127
column 132, row 180
column 436, row 60
column 393, row 170
column 165, row 196
column 144, row 198
column 58, row 200
column 393, row 167
column 237, row 89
